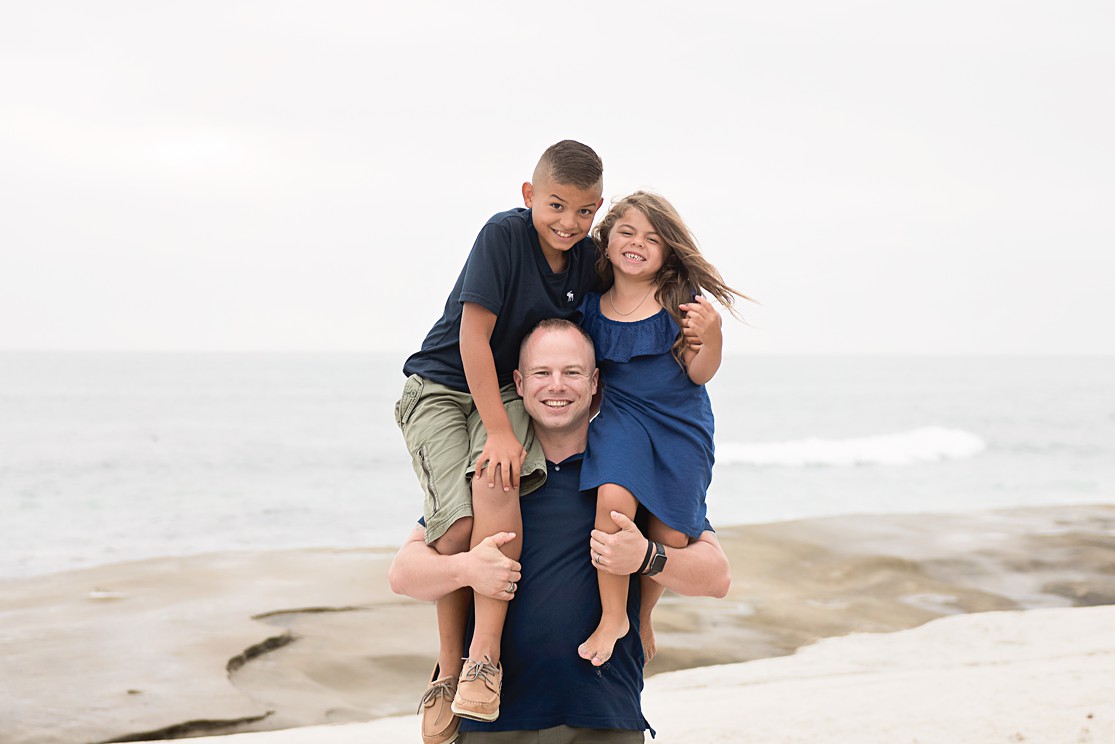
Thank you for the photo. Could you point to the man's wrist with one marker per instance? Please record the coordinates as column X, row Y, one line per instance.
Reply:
column 657, row 561
column 646, row 558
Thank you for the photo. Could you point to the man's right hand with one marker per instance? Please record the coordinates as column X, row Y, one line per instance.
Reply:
column 489, row 571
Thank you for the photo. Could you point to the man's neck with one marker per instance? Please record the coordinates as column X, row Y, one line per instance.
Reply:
column 558, row 446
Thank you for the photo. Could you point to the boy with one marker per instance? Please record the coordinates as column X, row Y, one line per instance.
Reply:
column 460, row 414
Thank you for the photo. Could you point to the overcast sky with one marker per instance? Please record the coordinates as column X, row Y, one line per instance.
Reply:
column 883, row 177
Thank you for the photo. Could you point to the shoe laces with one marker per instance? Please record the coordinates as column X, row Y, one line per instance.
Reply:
column 480, row 670
column 433, row 692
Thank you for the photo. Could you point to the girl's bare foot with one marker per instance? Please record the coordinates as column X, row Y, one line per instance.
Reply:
column 598, row 647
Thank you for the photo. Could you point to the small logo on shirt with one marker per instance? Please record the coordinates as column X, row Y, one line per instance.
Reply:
column 568, row 296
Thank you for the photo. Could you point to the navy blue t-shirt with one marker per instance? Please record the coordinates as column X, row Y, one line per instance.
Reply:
column 556, row 607
column 507, row 274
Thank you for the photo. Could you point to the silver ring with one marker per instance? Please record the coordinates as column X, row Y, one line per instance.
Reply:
column 599, row 560
column 510, row 587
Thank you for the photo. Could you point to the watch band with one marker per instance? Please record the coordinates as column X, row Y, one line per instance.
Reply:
column 646, row 558
column 657, row 561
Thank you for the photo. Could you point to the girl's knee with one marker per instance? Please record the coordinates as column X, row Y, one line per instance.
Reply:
column 610, row 498
column 668, row 536
column 456, row 539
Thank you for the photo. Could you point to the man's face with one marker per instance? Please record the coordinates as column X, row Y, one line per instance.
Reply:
column 562, row 214
column 557, row 379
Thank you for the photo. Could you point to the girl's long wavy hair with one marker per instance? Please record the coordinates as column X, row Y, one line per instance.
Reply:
column 684, row 273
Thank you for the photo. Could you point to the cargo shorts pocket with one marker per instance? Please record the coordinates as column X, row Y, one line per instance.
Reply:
column 404, row 407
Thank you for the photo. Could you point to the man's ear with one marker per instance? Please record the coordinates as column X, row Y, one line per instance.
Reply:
column 518, row 377
column 595, row 380
column 528, row 194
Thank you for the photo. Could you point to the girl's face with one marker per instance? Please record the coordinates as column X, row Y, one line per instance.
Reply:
column 634, row 248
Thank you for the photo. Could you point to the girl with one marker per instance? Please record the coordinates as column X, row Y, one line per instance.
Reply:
column 658, row 342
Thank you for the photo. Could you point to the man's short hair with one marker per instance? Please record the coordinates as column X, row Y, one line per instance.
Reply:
column 571, row 164
column 558, row 324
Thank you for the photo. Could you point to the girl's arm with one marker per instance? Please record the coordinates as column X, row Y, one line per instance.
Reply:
column 420, row 572
column 706, row 341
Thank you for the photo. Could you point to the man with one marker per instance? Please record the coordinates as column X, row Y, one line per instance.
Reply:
column 550, row 694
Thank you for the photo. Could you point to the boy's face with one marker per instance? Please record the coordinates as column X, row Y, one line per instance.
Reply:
column 562, row 214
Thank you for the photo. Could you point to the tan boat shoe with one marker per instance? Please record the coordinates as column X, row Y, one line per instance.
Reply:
column 478, row 690
column 439, row 725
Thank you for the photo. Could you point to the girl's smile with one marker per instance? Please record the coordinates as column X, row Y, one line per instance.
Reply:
column 634, row 247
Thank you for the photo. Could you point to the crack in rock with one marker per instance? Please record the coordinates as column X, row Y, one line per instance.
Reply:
column 261, row 648
column 188, row 729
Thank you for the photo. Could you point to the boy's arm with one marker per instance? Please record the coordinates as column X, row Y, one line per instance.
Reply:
column 700, row 569
column 705, row 340
column 419, row 571
column 503, row 449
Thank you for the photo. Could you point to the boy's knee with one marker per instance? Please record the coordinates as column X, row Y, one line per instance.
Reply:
column 456, row 539
column 487, row 498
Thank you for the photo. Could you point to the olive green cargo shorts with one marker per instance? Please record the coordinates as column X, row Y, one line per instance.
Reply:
column 445, row 436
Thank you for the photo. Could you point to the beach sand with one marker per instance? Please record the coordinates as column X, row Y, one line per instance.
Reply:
column 243, row 642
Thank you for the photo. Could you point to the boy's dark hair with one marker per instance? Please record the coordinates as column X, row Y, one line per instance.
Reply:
column 571, row 164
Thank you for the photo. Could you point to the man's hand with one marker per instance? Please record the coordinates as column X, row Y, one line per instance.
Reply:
column 504, row 452
column 621, row 553
column 702, row 324
column 489, row 571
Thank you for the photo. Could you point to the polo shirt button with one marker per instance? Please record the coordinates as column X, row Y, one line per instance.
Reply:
column 557, row 467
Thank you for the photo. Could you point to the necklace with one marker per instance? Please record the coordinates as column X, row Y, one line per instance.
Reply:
column 624, row 315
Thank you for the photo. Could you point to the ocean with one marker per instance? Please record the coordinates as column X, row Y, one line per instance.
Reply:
column 108, row 457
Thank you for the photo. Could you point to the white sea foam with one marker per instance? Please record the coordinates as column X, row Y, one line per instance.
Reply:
column 925, row 444
column 115, row 457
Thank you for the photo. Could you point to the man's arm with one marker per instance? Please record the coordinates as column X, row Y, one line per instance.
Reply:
column 419, row 571
column 700, row 569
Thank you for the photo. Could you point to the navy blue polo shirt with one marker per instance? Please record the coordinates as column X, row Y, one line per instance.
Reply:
column 507, row 274
column 556, row 607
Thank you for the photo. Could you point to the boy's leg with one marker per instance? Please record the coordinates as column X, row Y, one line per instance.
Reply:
column 434, row 422
column 613, row 589
column 650, row 591
column 495, row 510
column 453, row 608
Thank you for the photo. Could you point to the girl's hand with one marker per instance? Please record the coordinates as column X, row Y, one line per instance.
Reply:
column 702, row 324
column 501, row 452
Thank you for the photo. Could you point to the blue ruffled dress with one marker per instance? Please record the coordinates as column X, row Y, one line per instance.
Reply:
column 654, row 434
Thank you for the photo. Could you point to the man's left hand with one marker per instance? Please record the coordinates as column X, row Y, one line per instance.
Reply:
column 621, row 553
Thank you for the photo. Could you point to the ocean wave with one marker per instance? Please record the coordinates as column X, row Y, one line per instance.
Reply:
column 926, row 444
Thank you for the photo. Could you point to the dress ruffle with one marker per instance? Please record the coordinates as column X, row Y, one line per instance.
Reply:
column 621, row 342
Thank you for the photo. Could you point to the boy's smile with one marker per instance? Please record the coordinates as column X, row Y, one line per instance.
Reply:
column 562, row 214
